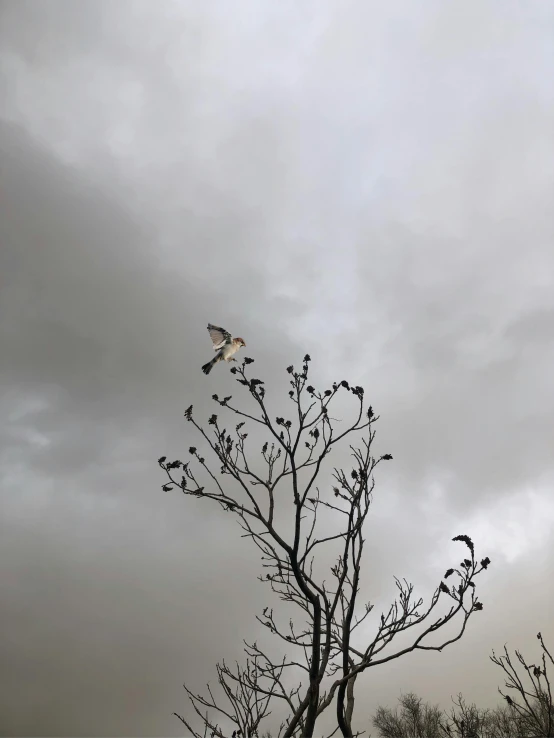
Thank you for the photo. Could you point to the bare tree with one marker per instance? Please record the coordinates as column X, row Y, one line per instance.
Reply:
column 412, row 719
column 531, row 706
column 297, row 526
column 469, row 721
column 247, row 700
column 416, row 719
column 529, row 714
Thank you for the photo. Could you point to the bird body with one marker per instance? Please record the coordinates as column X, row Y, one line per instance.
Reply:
column 225, row 345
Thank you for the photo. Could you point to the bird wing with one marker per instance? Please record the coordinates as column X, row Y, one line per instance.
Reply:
column 219, row 336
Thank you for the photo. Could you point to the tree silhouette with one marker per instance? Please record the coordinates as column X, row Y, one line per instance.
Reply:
column 531, row 705
column 416, row 719
column 412, row 719
column 528, row 714
column 299, row 522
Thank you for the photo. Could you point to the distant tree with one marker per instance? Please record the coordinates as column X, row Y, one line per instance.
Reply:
column 300, row 522
column 411, row 719
column 469, row 721
column 416, row 719
column 529, row 713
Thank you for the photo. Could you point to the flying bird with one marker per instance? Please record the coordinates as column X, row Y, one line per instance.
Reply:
column 224, row 344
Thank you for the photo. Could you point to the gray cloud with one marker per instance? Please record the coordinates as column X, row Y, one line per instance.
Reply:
column 369, row 187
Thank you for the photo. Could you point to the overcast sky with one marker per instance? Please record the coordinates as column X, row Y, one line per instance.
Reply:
column 370, row 182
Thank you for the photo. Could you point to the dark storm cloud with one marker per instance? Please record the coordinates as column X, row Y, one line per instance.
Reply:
column 373, row 189
column 97, row 376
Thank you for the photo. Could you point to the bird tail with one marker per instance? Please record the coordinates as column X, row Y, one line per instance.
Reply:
column 207, row 368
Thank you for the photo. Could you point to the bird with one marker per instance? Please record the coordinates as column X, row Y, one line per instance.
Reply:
column 224, row 344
